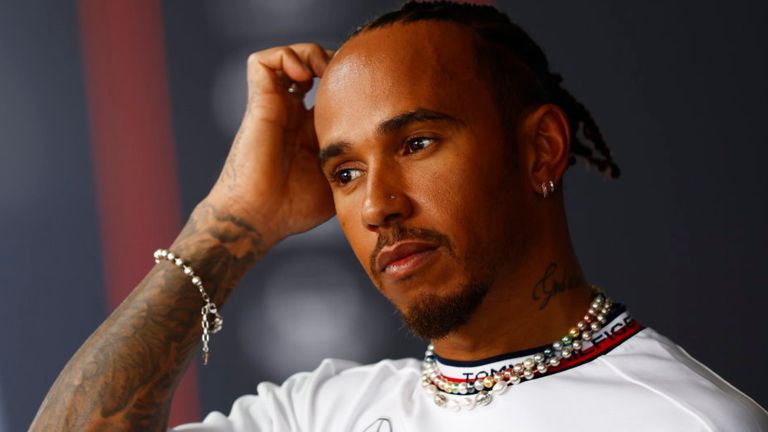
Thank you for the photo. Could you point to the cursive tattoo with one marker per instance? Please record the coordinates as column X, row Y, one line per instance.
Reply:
column 124, row 375
column 549, row 285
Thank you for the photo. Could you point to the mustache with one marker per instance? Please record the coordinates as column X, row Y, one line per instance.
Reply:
column 401, row 233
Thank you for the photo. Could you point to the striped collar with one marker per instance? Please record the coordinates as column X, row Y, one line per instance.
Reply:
column 620, row 327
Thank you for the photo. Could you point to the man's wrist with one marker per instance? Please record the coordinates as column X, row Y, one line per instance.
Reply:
column 246, row 217
column 220, row 245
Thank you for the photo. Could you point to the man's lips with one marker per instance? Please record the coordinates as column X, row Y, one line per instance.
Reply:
column 400, row 253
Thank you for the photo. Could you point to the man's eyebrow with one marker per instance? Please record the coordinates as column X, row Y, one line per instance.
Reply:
column 386, row 127
column 400, row 121
column 330, row 152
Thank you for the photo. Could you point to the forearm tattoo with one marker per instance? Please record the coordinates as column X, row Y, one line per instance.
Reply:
column 124, row 376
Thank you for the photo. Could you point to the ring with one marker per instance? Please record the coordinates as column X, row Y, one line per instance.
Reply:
column 293, row 88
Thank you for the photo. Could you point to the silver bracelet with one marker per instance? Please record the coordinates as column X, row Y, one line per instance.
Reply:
column 209, row 310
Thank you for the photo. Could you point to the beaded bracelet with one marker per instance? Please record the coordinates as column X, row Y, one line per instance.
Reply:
column 209, row 310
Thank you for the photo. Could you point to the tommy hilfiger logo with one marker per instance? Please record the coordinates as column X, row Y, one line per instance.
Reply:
column 620, row 329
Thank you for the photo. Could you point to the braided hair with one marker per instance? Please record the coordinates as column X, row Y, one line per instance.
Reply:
column 516, row 66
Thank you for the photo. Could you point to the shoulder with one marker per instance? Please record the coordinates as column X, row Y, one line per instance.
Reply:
column 336, row 375
column 338, row 390
column 335, row 371
column 340, row 380
column 657, row 366
column 312, row 400
column 336, row 385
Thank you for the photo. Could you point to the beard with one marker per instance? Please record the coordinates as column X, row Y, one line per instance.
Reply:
column 433, row 316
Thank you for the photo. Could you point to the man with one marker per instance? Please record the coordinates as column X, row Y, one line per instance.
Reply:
column 438, row 139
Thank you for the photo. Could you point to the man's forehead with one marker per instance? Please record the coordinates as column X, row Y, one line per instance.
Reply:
column 395, row 69
column 400, row 50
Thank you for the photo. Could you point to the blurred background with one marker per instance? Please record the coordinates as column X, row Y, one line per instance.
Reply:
column 116, row 116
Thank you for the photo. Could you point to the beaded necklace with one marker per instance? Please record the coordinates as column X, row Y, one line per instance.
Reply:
column 456, row 396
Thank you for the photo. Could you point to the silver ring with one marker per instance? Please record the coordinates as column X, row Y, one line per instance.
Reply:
column 547, row 188
column 293, row 88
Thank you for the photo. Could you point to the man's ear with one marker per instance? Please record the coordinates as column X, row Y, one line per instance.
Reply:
column 545, row 139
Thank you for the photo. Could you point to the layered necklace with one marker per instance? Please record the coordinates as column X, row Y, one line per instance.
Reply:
column 467, row 395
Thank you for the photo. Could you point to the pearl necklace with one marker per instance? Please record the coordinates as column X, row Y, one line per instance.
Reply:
column 455, row 396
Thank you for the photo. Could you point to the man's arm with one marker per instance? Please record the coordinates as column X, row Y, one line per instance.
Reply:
column 271, row 186
column 124, row 375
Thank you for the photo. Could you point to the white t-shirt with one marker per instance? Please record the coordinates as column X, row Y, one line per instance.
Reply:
column 629, row 379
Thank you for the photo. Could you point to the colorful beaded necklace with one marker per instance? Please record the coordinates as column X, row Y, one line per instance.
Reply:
column 455, row 396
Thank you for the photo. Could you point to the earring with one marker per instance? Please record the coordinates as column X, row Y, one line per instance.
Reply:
column 547, row 188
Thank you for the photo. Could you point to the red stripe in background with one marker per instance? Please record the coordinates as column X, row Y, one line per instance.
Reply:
column 133, row 151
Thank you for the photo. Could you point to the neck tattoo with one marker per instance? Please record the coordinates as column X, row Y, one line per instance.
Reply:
column 455, row 396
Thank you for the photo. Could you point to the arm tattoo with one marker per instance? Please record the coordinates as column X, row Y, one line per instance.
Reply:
column 229, row 173
column 124, row 375
column 549, row 285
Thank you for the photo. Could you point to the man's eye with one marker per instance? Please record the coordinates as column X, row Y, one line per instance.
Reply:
column 344, row 176
column 417, row 144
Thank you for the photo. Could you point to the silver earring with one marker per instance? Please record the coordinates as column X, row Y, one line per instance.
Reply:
column 547, row 188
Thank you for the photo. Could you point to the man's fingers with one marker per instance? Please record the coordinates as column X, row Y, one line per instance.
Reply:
column 298, row 62
column 265, row 68
column 312, row 55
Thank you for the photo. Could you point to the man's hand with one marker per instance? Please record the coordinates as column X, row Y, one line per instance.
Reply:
column 271, row 178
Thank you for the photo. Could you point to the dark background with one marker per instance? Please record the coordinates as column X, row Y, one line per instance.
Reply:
column 678, row 89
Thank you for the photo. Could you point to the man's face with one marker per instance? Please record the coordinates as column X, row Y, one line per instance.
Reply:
column 423, row 180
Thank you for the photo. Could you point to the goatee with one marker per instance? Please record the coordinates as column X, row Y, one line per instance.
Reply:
column 433, row 316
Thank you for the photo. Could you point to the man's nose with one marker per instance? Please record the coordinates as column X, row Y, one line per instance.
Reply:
column 386, row 200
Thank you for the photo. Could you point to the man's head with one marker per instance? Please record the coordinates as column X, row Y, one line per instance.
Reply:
column 514, row 66
column 435, row 154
